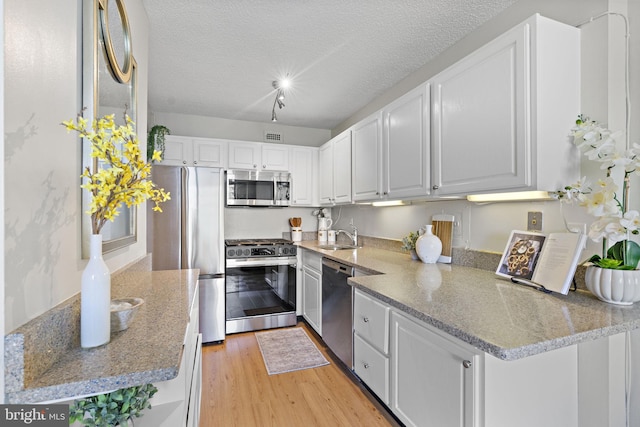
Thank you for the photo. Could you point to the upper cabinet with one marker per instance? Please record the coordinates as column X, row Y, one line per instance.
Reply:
column 391, row 150
column 366, row 164
column 258, row 156
column 190, row 151
column 406, row 142
column 304, row 173
column 335, row 170
column 501, row 115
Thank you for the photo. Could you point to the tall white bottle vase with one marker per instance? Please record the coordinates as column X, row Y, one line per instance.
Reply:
column 95, row 298
column 428, row 246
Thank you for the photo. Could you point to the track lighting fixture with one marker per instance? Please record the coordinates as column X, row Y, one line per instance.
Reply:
column 280, row 86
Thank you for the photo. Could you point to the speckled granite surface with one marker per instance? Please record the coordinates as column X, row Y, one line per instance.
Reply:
column 149, row 351
column 506, row 320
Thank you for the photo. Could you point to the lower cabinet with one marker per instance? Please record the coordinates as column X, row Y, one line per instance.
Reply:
column 312, row 289
column 177, row 402
column 433, row 380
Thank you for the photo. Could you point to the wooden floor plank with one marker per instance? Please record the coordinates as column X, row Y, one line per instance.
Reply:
column 237, row 391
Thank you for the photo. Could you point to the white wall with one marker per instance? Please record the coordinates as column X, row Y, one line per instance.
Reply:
column 42, row 162
column 212, row 127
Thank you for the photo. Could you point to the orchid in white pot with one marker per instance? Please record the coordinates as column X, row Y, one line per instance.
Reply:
column 605, row 199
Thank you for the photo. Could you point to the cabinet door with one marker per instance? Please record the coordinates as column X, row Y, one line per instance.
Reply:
column 406, row 133
column 303, row 169
column 209, row 153
column 177, row 151
column 325, row 173
column 480, row 119
column 433, row 380
column 367, row 159
column 312, row 298
column 244, row 155
column 342, row 168
column 275, row 157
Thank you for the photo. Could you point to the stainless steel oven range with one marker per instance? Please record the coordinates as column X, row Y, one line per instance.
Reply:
column 260, row 284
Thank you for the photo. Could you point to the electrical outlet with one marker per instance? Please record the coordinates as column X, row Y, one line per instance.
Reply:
column 534, row 221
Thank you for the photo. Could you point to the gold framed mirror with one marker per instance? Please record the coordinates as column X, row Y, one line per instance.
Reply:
column 109, row 87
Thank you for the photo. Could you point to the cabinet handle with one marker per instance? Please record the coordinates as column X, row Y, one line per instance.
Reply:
column 255, row 166
column 466, row 363
column 366, row 365
column 184, row 162
column 365, row 319
column 195, row 163
column 435, row 187
column 264, row 166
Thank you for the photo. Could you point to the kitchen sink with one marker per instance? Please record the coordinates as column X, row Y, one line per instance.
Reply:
column 336, row 247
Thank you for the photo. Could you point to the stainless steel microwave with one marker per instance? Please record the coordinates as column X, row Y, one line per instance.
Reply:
column 258, row 188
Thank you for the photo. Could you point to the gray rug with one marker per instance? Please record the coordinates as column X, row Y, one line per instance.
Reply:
column 287, row 350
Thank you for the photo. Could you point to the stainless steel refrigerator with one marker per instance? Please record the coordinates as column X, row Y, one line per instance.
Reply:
column 189, row 234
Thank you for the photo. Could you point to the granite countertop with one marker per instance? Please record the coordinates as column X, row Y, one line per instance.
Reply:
column 150, row 350
column 506, row 320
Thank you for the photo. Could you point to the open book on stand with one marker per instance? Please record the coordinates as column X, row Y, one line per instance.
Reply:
column 545, row 262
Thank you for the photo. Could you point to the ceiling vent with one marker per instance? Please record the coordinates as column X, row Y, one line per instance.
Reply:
column 272, row 136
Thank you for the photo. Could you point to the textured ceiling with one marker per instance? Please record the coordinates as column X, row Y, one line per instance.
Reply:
column 218, row 57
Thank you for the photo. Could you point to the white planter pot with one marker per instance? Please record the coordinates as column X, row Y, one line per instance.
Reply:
column 613, row 286
column 95, row 298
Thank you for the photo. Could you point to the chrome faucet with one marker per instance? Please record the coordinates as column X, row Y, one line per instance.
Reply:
column 353, row 236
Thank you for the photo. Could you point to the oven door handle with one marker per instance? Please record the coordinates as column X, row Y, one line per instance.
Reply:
column 262, row 262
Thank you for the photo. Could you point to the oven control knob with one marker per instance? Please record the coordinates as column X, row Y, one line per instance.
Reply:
column 293, row 251
column 230, row 252
column 285, row 251
column 246, row 252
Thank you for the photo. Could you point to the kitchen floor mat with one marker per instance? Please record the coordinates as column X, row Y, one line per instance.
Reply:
column 287, row 350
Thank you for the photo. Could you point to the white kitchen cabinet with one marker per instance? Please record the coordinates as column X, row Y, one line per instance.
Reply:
column 258, row 156
column 304, row 173
column 190, row 151
column 371, row 344
column 433, row 379
column 502, row 114
column 177, row 402
column 312, row 289
column 406, row 142
column 335, row 170
column 366, row 164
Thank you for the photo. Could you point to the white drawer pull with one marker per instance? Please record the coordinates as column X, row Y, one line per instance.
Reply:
column 466, row 363
column 365, row 319
column 366, row 365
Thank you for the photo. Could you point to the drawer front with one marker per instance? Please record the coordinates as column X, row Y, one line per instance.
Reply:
column 372, row 367
column 371, row 321
column 312, row 259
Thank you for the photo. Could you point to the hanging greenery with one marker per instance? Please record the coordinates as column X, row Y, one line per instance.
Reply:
column 155, row 140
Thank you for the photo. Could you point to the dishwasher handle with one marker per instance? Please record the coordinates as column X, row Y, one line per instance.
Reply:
column 338, row 267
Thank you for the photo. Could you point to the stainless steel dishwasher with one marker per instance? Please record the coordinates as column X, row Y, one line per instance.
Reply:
column 337, row 309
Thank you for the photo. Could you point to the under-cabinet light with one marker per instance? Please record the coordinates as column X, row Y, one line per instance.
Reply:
column 510, row 197
column 389, row 203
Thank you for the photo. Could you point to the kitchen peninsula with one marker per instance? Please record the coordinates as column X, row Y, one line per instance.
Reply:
column 154, row 349
column 532, row 354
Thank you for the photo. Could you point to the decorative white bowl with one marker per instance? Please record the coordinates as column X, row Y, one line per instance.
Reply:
column 620, row 287
column 123, row 310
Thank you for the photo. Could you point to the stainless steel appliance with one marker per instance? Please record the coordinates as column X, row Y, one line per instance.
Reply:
column 260, row 284
column 257, row 188
column 189, row 234
column 337, row 309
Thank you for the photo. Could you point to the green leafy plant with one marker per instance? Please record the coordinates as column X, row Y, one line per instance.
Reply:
column 155, row 140
column 409, row 241
column 112, row 409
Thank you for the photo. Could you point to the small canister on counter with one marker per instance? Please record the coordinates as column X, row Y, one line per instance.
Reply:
column 322, row 235
column 331, row 236
column 296, row 234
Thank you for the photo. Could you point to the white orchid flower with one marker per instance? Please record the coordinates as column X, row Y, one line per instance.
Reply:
column 631, row 220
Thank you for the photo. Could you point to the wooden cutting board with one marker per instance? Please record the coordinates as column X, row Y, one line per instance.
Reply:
column 443, row 228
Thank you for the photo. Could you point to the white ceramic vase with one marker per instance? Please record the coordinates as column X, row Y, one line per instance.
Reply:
column 95, row 298
column 620, row 287
column 428, row 246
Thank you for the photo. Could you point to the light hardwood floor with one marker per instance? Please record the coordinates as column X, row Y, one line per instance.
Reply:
column 237, row 391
